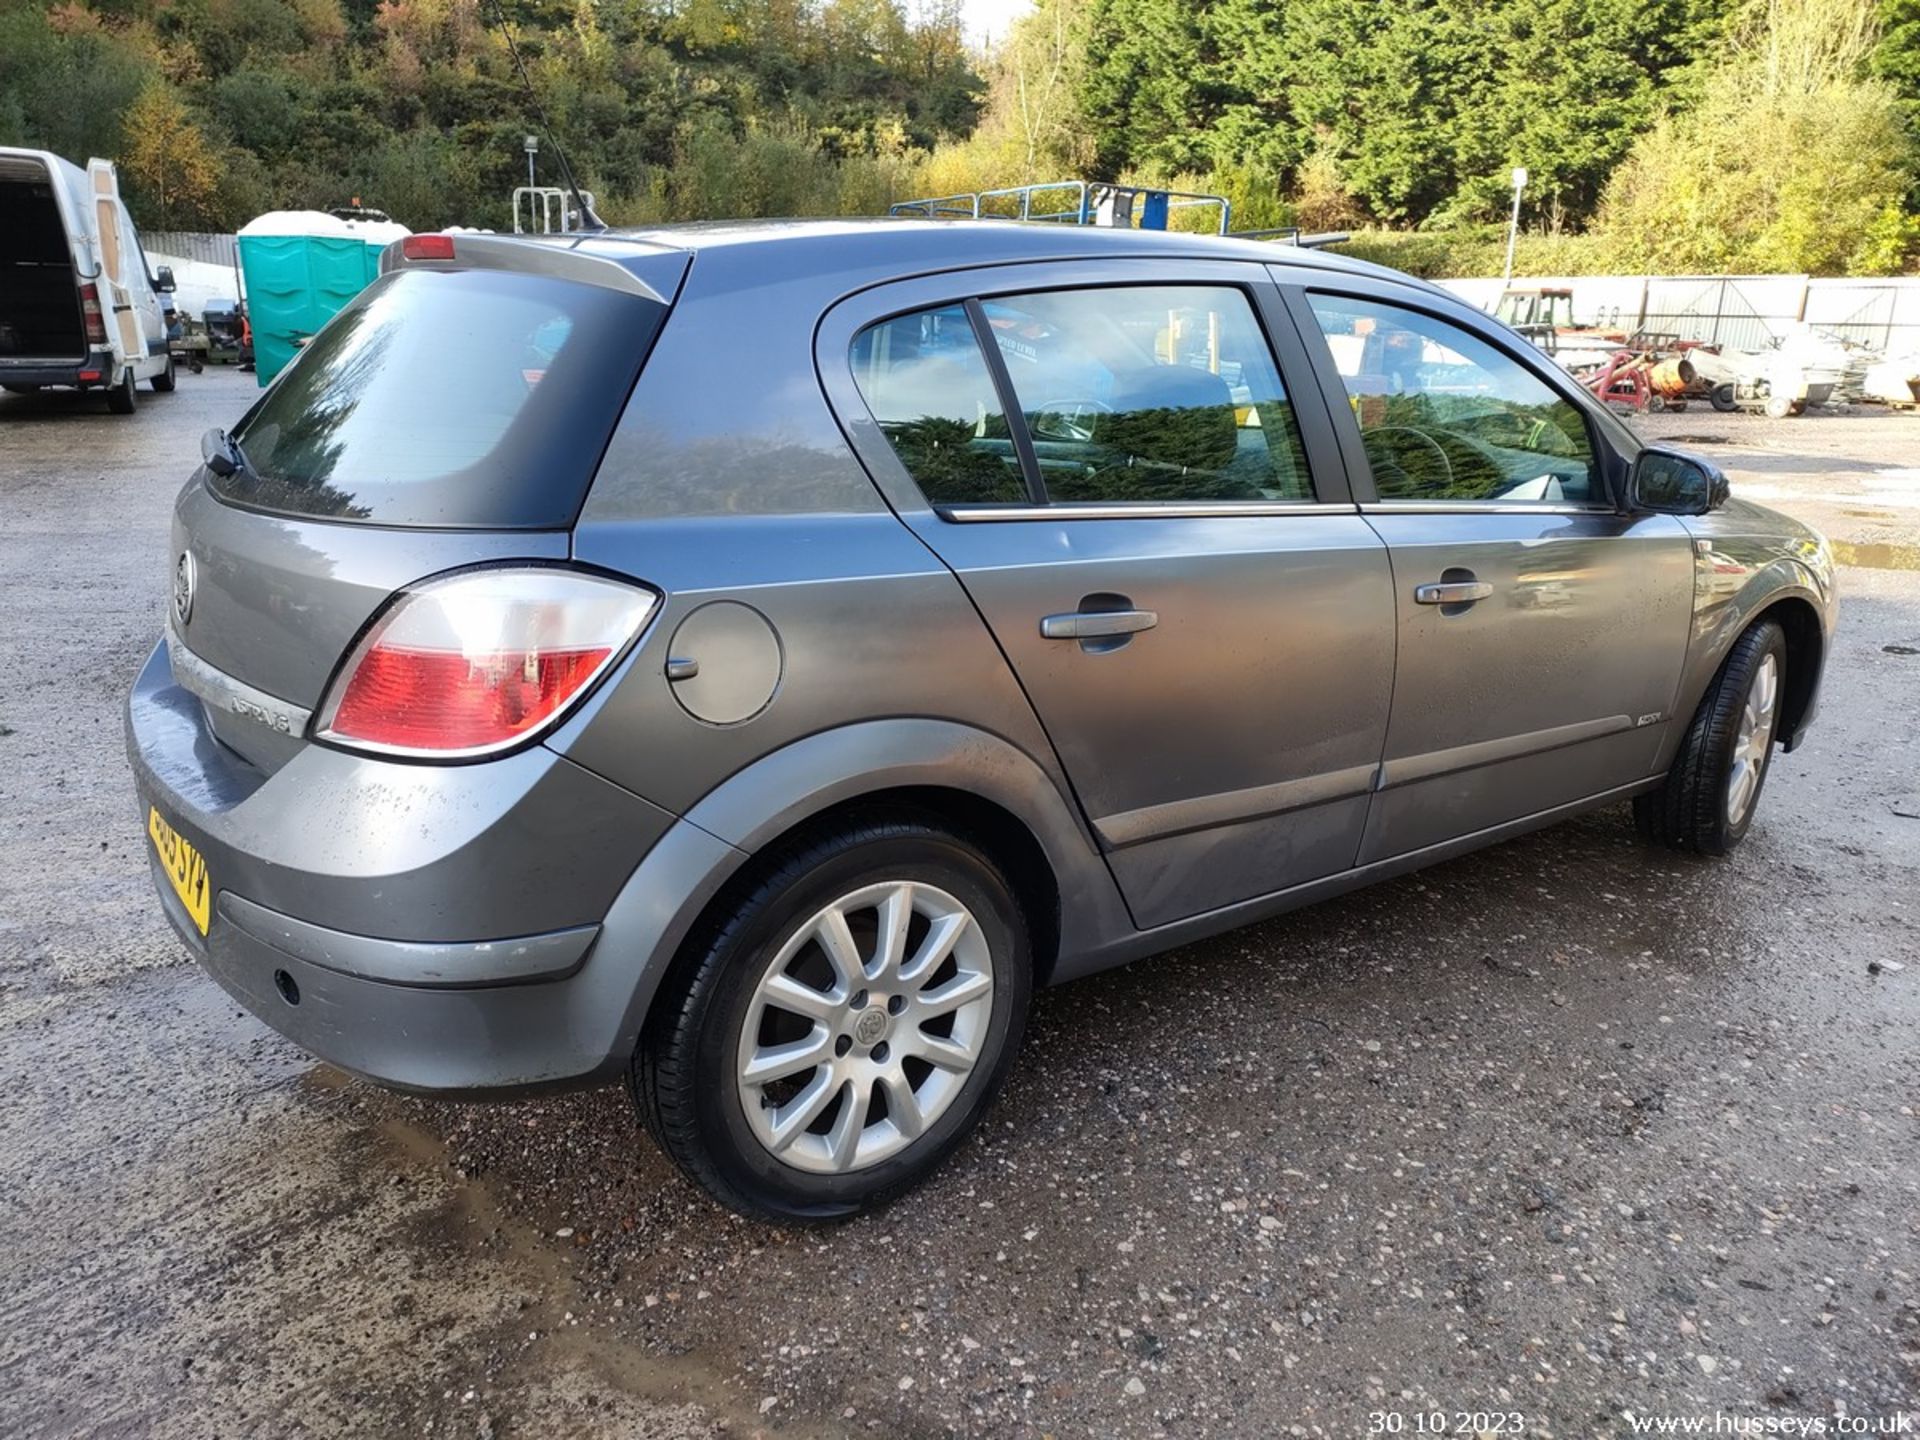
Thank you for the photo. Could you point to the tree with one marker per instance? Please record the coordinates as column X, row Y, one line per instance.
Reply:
column 167, row 160
column 1791, row 161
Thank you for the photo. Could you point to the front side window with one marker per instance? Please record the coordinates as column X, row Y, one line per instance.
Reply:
column 923, row 378
column 1150, row 394
column 1445, row 416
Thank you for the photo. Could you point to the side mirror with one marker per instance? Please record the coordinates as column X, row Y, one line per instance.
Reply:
column 163, row 280
column 1672, row 482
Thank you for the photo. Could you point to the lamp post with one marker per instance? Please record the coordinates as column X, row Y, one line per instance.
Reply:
column 531, row 144
column 1513, row 225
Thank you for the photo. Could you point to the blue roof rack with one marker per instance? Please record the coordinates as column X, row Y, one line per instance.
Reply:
column 1092, row 202
column 1072, row 202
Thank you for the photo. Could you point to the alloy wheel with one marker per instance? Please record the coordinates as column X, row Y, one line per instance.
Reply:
column 864, row 1027
column 1752, row 739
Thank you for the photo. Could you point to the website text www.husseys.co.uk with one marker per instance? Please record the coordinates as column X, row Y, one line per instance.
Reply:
column 1719, row 1423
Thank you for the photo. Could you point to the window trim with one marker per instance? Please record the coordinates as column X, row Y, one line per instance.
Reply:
column 1297, row 295
column 1133, row 510
column 1010, row 411
column 1290, row 353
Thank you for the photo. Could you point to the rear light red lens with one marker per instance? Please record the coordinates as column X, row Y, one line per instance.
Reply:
column 434, row 700
column 427, row 247
column 90, row 312
column 479, row 662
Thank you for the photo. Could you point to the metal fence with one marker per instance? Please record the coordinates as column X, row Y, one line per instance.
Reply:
column 192, row 245
column 1745, row 312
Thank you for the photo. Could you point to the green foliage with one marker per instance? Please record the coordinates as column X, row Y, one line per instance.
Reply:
column 66, row 90
column 1666, row 134
column 1482, row 250
column 697, row 109
column 1789, row 162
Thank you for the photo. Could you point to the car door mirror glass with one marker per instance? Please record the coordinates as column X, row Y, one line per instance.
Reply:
column 1677, row 484
column 163, row 280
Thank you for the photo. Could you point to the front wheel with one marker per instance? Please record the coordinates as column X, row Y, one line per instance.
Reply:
column 163, row 382
column 1710, row 794
column 843, row 1027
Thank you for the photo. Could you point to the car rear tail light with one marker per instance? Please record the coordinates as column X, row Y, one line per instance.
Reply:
column 90, row 312
column 427, row 247
column 480, row 662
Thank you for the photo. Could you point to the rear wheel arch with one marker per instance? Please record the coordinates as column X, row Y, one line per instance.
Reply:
column 996, row 831
column 952, row 776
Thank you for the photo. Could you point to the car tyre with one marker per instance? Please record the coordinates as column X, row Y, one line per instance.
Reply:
column 1725, row 400
column 688, row 1079
column 1709, row 797
column 163, row 382
column 123, row 399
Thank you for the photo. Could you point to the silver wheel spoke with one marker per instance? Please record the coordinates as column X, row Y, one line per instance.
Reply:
column 941, row 939
column 788, row 993
column 836, row 940
column 844, row 1139
column 939, row 1051
column 964, row 987
column 776, row 1062
column 903, row 1107
column 792, row 1119
column 890, row 945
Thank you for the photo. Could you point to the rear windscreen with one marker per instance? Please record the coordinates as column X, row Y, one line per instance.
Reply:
column 467, row 399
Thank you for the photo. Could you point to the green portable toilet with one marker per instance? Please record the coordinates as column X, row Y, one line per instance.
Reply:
column 301, row 267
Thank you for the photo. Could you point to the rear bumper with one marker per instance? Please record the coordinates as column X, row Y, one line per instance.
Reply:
column 430, row 927
column 100, row 365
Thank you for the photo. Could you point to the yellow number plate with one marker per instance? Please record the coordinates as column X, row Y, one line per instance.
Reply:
column 186, row 870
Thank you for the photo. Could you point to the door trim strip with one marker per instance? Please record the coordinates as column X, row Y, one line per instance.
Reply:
column 1434, row 763
column 1481, row 507
column 1178, row 817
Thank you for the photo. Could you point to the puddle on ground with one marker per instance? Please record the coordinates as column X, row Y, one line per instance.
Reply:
column 1696, row 439
column 1876, row 557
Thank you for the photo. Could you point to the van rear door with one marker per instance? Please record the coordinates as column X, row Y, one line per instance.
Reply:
column 121, row 266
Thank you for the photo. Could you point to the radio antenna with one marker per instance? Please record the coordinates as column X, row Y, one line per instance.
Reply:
column 588, row 220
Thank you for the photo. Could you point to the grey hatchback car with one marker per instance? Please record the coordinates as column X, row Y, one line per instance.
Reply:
column 747, row 659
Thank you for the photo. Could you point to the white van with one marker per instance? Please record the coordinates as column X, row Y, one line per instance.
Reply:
column 77, row 304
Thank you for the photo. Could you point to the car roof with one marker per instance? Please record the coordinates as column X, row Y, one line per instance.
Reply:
column 861, row 251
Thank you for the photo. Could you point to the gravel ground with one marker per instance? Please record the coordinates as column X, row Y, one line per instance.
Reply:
column 1569, row 1128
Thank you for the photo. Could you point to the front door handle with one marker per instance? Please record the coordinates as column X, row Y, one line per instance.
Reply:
column 1452, row 592
column 1097, row 624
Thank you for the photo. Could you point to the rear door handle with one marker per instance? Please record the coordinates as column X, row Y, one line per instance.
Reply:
column 1095, row 624
column 1452, row 592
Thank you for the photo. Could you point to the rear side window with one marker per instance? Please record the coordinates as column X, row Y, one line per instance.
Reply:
column 1148, row 394
column 462, row 399
column 1131, row 395
column 924, row 380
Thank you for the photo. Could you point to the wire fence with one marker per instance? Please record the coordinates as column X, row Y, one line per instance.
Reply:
column 1743, row 312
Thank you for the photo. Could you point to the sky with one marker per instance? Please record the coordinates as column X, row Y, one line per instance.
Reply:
column 989, row 19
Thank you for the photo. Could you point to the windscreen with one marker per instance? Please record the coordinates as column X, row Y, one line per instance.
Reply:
column 458, row 399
